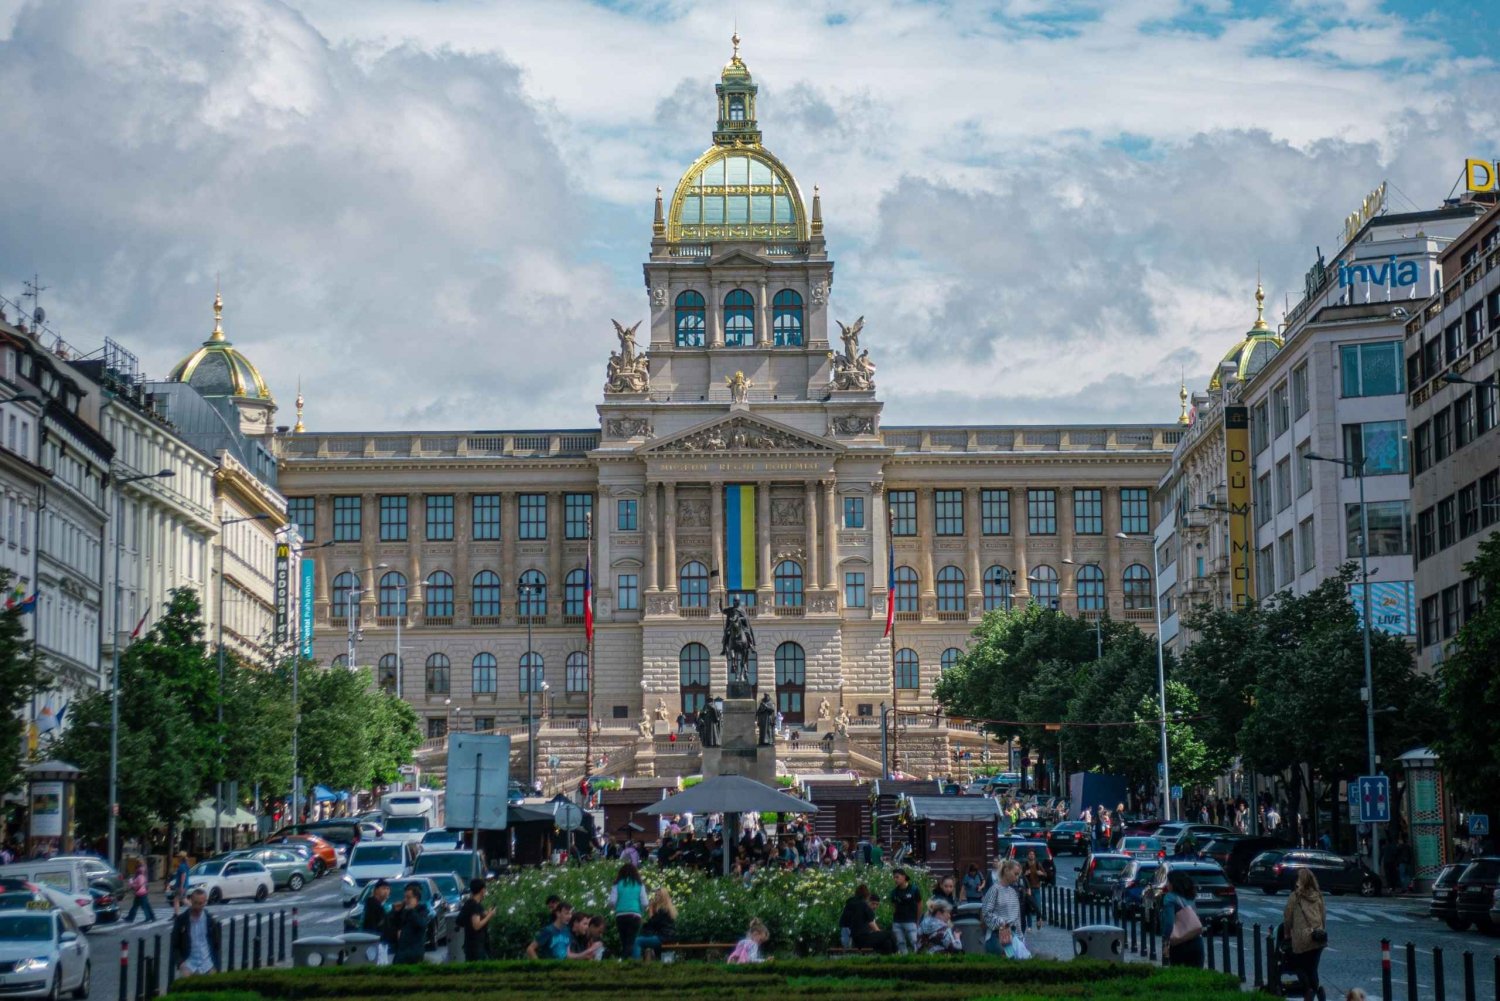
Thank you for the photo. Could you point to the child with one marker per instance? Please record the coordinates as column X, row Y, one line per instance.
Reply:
column 747, row 950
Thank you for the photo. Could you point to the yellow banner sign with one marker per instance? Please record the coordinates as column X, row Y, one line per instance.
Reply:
column 1237, row 471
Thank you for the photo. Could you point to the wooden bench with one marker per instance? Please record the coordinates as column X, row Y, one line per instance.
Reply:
column 700, row 950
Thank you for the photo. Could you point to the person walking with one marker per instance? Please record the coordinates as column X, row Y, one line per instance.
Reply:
column 1001, row 914
column 1181, row 929
column 179, row 883
column 974, row 885
column 411, row 919
column 660, row 928
column 1307, row 931
column 1033, row 874
column 140, row 888
column 906, row 903
column 195, row 937
column 628, row 900
column 473, row 918
column 947, row 891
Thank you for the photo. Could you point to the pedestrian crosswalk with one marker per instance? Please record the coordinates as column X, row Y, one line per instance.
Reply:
column 1270, row 910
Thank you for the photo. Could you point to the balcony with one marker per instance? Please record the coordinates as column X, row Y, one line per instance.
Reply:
column 531, row 620
column 572, row 620
column 788, row 611
column 959, row 615
column 484, row 620
column 437, row 620
column 908, row 616
column 693, row 612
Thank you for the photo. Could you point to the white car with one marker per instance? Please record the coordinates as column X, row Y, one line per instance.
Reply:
column 42, row 954
column 234, row 878
column 80, row 908
column 372, row 860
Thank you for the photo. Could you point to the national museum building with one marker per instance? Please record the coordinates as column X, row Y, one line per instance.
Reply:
column 738, row 453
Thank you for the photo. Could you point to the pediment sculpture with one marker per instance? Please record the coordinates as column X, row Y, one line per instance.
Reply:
column 628, row 372
column 739, row 435
column 853, row 369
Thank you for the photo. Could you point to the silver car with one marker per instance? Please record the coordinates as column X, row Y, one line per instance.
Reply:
column 42, row 954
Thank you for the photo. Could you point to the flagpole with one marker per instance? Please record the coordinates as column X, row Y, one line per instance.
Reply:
column 890, row 597
column 588, row 583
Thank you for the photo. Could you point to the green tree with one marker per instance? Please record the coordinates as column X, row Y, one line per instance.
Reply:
column 1469, row 686
column 258, row 726
column 21, row 677
column 352, row 736
column 395, row 733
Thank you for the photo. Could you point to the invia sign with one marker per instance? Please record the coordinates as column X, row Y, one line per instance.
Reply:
column 1391, row 272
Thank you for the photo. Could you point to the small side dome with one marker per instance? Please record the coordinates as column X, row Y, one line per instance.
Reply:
column 1252, row 353
column 218, row 369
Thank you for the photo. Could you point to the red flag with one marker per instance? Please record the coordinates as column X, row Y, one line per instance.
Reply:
column 890, row 576
column 588, row 594
column 136, row 632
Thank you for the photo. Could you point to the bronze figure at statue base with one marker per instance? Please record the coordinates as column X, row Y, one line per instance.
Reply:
column 746, row 744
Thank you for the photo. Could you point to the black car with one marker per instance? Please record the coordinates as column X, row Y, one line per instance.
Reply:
column 1217, row 903
column 106, row 904
column 432, row 896
column 1071, row 836
column 1028, row 827
column 1132, row 884
column 1337, row 874
column 1236, row 852
column 1262, row 870
column 1444, row 904
column 1476, row 891
column 1099, row 874
column 1017, row 848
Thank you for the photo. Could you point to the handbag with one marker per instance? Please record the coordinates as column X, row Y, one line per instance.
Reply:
column 1185, row 926
column 1004, row 935
column 1320, row 936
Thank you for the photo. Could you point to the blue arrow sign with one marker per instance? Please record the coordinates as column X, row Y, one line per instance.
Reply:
column 1374, row 799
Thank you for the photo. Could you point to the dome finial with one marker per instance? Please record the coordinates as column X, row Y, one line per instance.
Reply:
column 735, row 41
column 218, row 334
column 1260, row 306
column 298, row 428
column 1182, row 395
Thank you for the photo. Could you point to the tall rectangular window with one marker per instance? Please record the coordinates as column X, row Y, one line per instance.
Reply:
column 1041, row 511
column 994, row 512
column 1426, row 534
column 1285, row 560
column 1442, row 435
column 1390, row 528
column 1135, row 511
column 948, row 506
column 903, row 511
column 854, row 512
column 1263, row 510
column 439, row 517
column 1468, row 510
column 1429, row 623
column 1265, row 572
column 577, row 509
column 1450, row 611
column 1487, row 403
column 393, row 518
column 1260, row 427
column 1304, row 468
column 302, row 512
column 1088, row 511
column 1463, row 420
column 1372, row 369
column 1489, row 499
column 531, row 515
column 627, row 592
column 1447, row 522
column 346, row 519
column 486, row 511
column 1307, row 543
column 627, row 515
column 1422, row 446
column 1283, row 484
column 854, row 589
column 1300, row 401
column 1281, row 409
column 1377, row 446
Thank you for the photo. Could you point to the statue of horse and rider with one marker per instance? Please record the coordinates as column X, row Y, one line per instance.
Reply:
column 739, row 641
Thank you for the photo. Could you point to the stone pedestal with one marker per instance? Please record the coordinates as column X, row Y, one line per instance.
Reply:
column 740, row 754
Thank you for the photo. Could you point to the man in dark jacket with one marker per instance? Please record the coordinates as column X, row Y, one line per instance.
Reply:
column 376, row 920
column 411, row 920
column 195, row 937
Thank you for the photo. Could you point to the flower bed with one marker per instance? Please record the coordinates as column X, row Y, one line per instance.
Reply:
column 895, row 978
column 801, row 909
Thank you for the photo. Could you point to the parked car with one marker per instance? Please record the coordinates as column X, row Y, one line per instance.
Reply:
column 1337, row 874
column 1235, row 852
column 1171, row 834
column 289, row 869
column 1099, row 874
column 437, row 928
column 328, row 858
column 1016, row 848
column 98, row 870
column 65, row 884
column 1476, row 891
column 1217, row 903
column 1031, row 827
column 462, row 864
column 106, row 904
column 1070, row 836
column 374, row 860
column 1134, row 879
column 1141, row 828
column 1444, row 903
column 370, row 830
column 449, row 887
column 78, row 907
column 441, row 839
column 43, row 954
column 1141, row 846
column 224, row 879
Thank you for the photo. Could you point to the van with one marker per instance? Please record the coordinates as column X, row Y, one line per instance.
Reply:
column 372, row 860
column 65, row 882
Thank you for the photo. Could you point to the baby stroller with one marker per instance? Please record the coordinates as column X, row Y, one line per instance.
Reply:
column 1284, row 981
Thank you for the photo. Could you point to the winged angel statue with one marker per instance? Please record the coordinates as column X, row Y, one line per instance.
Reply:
column 853, row 369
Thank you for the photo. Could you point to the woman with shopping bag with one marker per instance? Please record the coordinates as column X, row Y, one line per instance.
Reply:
column 1181, row 930
column 1001, row 914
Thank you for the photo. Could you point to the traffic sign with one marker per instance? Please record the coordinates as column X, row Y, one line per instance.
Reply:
column 1177, row 792
column 1479, row 824
column 1374, row 799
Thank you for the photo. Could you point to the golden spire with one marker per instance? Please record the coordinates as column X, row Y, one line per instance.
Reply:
column 218, row 334
column 1182, row 394
column 1260, row 307
column 298, row 429
column 735, row 40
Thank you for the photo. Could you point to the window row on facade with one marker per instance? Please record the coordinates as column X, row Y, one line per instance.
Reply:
column 393, row 512
column 1445, row 613
column 435, row 595
column 1454, row 427
column 1368, row 369
column 1471, row 507
column 1042, row 512
column 690, row 319
column 484, row 678
column 1433, row 356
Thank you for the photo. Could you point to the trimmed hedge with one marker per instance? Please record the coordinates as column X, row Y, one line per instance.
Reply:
column 892, row 978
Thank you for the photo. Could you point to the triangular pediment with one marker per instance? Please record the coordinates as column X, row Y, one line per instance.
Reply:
column 738, row 255
column 740, row 432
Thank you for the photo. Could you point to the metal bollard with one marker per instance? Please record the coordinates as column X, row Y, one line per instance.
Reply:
column 1439, row 991
column 1497, row 976
column 1224, row 938
column 294, row 924
column 1151, row 940
column 156, row 984
column 1385, row 969
column 1260, row 976
column 281, row 938
column 244, row 941
column 150, row 964
column 124, row 968
column 1469, row 988
column 140, row 969
column 1273, row 978
column 1239, row 949
column 229, row 937
column 1208, row 949
column 255, row 960
column 1411, row 972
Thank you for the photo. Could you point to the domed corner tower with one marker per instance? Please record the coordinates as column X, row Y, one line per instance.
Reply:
column 218, row 371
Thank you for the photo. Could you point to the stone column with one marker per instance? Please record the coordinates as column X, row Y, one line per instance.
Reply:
column 972, row 525
column 416, row 534
column 669, row 539
column 716, row 556
column 649, row 536
column 764, row 591
column 1019, row 528
column 716, row 315
column 463, row 530
column 510, row 534
column 1114, row 592
column 830, row 534
column 1067, row 586
column 763, row 317
column 926, row 538
column 810, row 517
column 555, row 533
column 880, row 543
column 369, row 534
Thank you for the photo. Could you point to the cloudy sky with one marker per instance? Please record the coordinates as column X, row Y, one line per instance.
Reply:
column 429, row 211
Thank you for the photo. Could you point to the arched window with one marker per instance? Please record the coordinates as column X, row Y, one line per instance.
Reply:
column 1044, row 586
column 573, row 590
column 908, row 669
column 692, row 585
column 532, row 671
column 999, row 585
column 786, row 319
column 950, row 590
column 531, row 595
column 438, row 671
column 438, row 594
column 949, row 660
column 906, row 589
column 578, row 671
column 690, row 320
column 387, row 676
column 736, row 108
column 791, row 681
column 788, row 584
column 1090, row 588
column 343, row 587
column 1137, row 587
column 739, row 319
column 392, row 596
column 692, row 673
column 486, row 595
column 342, row 660
column 486, row 674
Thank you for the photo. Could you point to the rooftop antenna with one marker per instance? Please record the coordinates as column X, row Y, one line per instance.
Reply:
column 34, row 290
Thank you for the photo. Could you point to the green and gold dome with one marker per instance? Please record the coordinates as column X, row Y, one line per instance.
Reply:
column 1250, row 355
column 218, row 369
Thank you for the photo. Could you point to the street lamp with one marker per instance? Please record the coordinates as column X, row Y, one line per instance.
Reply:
column 114, row 684
column 1364, row 572
column 356, row 598
column 1448, row 377
column 528, row 591
column 1098, row 623
column 219, row 789
column 405, row 590
column 1161, row 675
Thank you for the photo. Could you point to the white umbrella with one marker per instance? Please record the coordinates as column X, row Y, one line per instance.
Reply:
column 231, row 816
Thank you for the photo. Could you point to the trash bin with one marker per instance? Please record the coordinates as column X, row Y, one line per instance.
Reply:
column 361, row 948
column 318, row 950
column 971, row 934
column 1102, row 942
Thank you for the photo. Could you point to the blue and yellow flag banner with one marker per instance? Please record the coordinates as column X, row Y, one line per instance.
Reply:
column 739, row 537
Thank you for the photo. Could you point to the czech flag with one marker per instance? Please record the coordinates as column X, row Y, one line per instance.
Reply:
column 890, row 577
column 28, row 605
